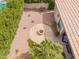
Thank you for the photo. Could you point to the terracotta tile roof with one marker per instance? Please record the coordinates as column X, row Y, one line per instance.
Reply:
column 69, row 11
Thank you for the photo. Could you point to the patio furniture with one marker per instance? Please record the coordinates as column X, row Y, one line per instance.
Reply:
column 65, row 38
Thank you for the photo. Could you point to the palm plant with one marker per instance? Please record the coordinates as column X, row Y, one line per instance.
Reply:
column 45, row 50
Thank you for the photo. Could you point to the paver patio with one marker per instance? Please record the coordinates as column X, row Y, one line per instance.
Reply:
column 26, row 30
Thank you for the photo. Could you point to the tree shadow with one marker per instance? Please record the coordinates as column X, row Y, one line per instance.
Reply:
column 26, row 55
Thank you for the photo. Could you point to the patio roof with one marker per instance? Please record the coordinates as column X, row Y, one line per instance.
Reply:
column 69, row 12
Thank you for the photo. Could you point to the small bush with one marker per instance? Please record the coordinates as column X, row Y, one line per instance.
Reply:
column 55, row 30
column 51, row 5
column 56, row 33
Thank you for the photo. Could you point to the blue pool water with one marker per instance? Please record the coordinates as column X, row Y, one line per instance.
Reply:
column 2, row 5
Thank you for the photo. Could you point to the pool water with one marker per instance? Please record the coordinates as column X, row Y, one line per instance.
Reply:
column 2, row 5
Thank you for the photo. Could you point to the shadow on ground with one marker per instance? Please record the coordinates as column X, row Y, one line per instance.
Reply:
column 26, row 55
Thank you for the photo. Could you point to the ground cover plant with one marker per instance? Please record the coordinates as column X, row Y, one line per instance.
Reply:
column 9, row 20
column 46, row 50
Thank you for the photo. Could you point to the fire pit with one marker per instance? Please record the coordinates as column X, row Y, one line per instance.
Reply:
column 40, row 32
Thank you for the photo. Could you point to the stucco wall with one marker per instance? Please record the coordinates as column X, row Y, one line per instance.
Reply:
column 56, row 14
column 36, row 5
column 48, row 18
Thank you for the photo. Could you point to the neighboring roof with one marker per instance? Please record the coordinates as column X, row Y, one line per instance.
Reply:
column 69, row 11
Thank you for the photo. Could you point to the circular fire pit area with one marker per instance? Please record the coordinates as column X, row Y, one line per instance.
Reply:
column 39, row 32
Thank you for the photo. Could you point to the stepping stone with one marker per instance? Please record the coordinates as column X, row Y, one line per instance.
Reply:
column 32, row 21
column 24, row 27
column 29, row 15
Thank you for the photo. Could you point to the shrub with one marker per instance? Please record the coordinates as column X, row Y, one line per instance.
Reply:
column 55, row 30
column 9, row 19
column 45, row 50
column 51, row 5
column 56, row 33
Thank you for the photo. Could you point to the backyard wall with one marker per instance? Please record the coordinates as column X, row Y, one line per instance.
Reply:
column 36, row 5
column 48, row 18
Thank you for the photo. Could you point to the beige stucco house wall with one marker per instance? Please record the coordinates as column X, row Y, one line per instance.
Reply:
column 68, row 12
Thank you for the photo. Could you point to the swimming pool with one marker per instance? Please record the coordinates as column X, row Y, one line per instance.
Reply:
column 2, row 5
